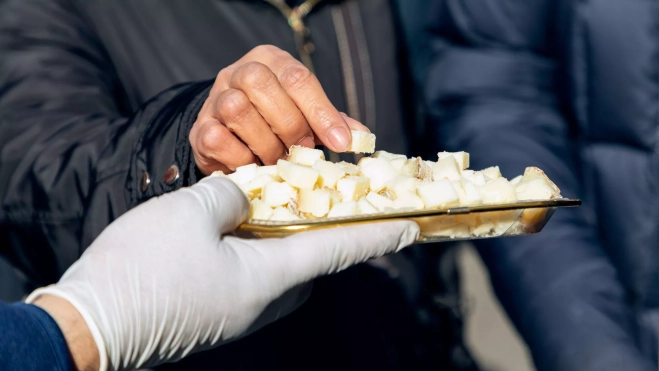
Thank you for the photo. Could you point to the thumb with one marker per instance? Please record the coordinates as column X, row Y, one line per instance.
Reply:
column 305, row 256
column 221, row 200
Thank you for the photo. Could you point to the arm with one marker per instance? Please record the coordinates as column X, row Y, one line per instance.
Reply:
column 73, row 155
column 493, row 92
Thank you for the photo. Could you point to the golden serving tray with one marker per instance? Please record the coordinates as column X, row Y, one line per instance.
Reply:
column 458, row 223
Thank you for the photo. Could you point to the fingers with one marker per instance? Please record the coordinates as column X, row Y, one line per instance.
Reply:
column 216, row 148
column 305, row 256
column 221, row 201
column 265, row 92
column 237, row 113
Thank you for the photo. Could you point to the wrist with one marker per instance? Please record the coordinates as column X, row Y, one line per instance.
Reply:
column 79, row 339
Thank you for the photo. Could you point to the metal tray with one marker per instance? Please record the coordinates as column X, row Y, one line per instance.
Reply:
column 459, row 223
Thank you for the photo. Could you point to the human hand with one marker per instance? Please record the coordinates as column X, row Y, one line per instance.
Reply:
column 260, row 106
column 164, row 281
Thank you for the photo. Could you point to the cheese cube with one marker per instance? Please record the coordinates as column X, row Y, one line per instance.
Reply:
column 492, row 172
column 535, row 189
column 380, row 202
column 278, row 194
column 365, row 207
column 403, row 183
column 243, row 174
column 344, row 209
column 438, row 194
column 362, row 142
column 388, row 156
column 418, row 168
column 446, row 168
column 462, row 158
column 365, row 160
column 472, row 195
column 398, row 163
column 350, row 169
column 379, row 171
column 304, row 156
column 408, row 200
column 297, row 175
column 314, row 202
column 353, row 187
column 259, row 210
column 516, row 180
column 266, row 170
column 533, row 172
column 282, row 214
column 253, row 188
column 329, row 172
column 498, row 191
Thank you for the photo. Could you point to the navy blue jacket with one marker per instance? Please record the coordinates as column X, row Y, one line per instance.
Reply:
column 571, row 87
column 31, row 340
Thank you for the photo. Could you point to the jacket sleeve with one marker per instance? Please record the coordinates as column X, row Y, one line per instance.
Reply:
column 72, row 156
column 493, row 91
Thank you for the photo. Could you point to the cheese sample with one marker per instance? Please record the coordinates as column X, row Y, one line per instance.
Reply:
column 304, row 156
column 446, row 168
column 243, row 174
column 259, row 210
column 408, row 200
column 365, row 207
column 402, row 183
column 492, row 172
column 461, row 158
column 352, row 188
column 348, row 208
column 350, row 169
column 379, row 202
column 438, row 194
column 419, row 169
column 362, row 142
column 266, row 170
column 282, row 214
column 498, row 191
column 278, row 194
column 297, row 175
column 253, row 188
column 329, row 173
column 379, row 171
column 314, row 202
column 388, row 156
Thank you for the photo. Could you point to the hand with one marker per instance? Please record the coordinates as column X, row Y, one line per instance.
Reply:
column 163, row 281
column 260, row 106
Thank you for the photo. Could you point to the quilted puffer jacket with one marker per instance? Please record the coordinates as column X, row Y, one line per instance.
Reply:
column 571, row 87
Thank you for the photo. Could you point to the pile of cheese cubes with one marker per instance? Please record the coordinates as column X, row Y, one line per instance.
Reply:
column 306, row 186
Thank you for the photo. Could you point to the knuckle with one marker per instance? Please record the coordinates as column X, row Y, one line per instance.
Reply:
column 234, row 105
column 295, row 76
column 255, row 74
column 266, row 49
column 211, row 138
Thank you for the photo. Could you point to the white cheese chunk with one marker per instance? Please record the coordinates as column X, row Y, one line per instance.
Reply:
column 403, row 183
column 362, row 142
column 535, row 189
column 348, row 208
column 352, row 188
column 253, row 188
column 297, row 175
column 304, row 156
column 446, row 168
column 475, row 177
column 462, row 158
column 243, row 174
column 398, row 163
column 408, row 200
column 282, row 214
column 388, row 156
column 498, row 191
column 314, row 202
column 278, row 194
column 365, row 207
column 380, row 202
column 472, row 195
column 259, row 210
column 492, row 172
column 329, row 173
column 266, row 170
column 516, row 180
column 350, row 169
column 438, row 194
column 379, row 171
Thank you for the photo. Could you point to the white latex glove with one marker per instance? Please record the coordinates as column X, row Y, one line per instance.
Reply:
column 162, row 281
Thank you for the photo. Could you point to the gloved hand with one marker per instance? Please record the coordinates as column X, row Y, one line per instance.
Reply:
column 163, row 281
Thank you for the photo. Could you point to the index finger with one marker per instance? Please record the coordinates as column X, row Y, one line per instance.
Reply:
column 306, row 91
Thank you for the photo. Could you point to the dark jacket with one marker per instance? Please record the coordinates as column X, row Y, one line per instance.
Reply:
column 571, row 87
column 96, row 102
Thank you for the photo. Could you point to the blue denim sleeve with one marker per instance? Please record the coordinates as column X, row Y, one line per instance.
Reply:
column 31, row 340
